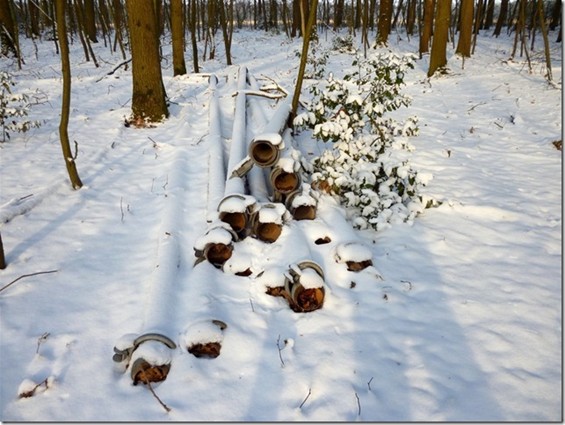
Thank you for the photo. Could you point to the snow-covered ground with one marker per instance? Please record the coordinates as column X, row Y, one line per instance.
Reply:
column 460, row 319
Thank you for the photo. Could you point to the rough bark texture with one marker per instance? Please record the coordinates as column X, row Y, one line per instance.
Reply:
column 438, row 57
column 2, row 257
column 177, row 30
column 148, row 97
column 66, row 97
column 427, row 26
column 7, row 29
column 466, row 28
column 384, row 23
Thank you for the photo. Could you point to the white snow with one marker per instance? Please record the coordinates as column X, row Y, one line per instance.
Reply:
column 352, row 251
column 201, row 333
column 464, row 325
column 274, row 139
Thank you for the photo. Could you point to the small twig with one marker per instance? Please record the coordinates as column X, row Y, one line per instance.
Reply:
column 369, row 383
column 251, row 302
column 115, row 69
column 302, row 404
column 75, row 156
column 26, row 275
column 358, row 404
column 143, row 377
column 280, row 349
column 31, row 392
column 122, row 208
column 41, row 339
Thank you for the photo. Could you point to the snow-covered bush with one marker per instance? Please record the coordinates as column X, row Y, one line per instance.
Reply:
column 13, row 109
column 366, row 165
column 343, row 44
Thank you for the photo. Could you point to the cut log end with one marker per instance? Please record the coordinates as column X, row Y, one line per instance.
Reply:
column 217, row 254
column 308, row 300
column 304, row 212
column 355, row 266
column 144, row 372
column 268, row 232
column 209, row 349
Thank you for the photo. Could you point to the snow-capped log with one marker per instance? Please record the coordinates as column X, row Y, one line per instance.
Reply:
column 265, row 147
column 151, row 362
column 204, row 338
column 267, row 222
column 236, row 210
column 304, row 285
column 355, row 255
column 216, row 245
column 285, row 176
column 216, row 160
column 301, row 204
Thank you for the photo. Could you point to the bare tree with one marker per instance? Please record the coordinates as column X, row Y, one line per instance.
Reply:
column 384, row 22
column 426, row 27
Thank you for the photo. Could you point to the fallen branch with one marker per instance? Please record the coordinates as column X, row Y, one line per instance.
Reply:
column 280, row 349
column 259, row 93
column 115, row 69
column 26, row 275
column 358, row 405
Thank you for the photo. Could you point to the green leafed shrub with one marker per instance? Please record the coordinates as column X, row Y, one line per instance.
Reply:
column 13, row 109
column 365, row 166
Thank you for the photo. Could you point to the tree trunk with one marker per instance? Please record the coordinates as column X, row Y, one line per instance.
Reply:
column 438, row 56
column 7, row 29
column 384, row 22
column 177, row 32
column 541, row 17
column 303, row 58
column 225, row 32
column 66, row 96
column 555, row 15
column 338, row 13
column 2, row 256
column 465, row 28
column 192, row 20
column 489, row 18
column 501, row 17
column 148, row 95
column 90, row 21
column 427, row 25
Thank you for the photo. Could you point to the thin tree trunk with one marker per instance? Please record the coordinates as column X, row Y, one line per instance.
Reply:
column 541, row 17
column 226, row 35
column 304, row 57
column 193, row 17
column 66, row 96
column 90, row 21
column 384, row 22
column 2, row 256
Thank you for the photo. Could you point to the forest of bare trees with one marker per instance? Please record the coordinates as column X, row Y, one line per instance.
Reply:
column 135, row 29
column 205, row 22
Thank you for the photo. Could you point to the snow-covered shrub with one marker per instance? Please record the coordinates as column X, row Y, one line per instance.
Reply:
column 343, row 44
column 13, row 109
column 366, row 165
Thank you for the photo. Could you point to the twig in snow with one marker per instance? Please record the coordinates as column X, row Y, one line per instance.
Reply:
column 41, row 339
column 26, row 275
column 358, row 405
column 167, row 408
column 252, row 308
column 31, row 392
column 369, row 383
column 280, row 349
column 308, row 396
column 115, row 69
column 122, row 208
